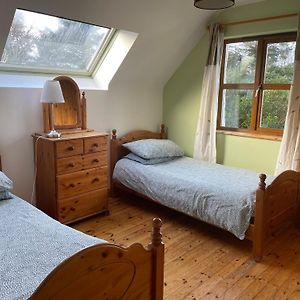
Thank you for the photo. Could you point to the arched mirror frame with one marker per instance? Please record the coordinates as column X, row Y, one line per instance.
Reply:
column 70, row 115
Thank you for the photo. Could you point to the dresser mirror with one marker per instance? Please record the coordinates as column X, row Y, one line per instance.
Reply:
column 70, row 115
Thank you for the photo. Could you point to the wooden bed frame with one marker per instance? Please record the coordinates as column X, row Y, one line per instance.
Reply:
column 108, row 271
column 276, row 205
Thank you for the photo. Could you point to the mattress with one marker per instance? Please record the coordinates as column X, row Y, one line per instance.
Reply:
column 31, row 246
column 216, row 194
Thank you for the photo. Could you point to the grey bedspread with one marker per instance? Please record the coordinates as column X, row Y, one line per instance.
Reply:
column 219, row 195
column 31, row 246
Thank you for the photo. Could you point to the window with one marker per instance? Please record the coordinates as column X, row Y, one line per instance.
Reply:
column 256, row 77
column 47, row 44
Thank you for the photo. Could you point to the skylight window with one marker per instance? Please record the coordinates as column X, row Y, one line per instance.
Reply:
column 47, row 44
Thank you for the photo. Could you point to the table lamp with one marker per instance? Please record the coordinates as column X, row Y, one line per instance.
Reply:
column 52, row 94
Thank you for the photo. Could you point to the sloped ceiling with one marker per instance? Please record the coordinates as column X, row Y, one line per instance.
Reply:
column 168, row 30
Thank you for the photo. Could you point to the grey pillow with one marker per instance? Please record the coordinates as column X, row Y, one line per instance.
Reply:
column 151, row 161
column 154, row 148
column 5, row 183
column 5, row 195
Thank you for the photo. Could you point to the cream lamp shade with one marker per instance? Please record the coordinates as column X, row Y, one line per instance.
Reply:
column 52, row 92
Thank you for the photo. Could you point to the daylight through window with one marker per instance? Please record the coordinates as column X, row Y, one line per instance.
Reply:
column 43, row 43
column 255, row 81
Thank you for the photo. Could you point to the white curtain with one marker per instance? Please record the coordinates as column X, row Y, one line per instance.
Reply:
column 289, row 153
column 205, row 139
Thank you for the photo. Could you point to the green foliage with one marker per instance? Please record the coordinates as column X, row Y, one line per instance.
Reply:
column 280, row 63
column 240, row 68
column 47, row 42
column 238, row 108
column 241, row 62
column 274, row 109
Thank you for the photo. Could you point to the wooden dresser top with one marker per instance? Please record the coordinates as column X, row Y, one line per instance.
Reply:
column 69, row 136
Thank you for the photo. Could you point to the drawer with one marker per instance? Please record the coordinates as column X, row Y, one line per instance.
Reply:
column 69, row 148
column 69, row 164
column 71, row 209
column 94, row 160
column 95, row 144
column 70, row 185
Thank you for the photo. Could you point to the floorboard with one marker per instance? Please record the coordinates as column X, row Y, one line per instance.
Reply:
column 201, row 261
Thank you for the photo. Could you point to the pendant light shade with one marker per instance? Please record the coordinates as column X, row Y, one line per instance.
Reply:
column 213, row 4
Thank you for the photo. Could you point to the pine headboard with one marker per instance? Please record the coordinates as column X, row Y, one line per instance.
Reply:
column 117, row 151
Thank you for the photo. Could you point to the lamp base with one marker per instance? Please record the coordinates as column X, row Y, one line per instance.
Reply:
column 53, row 134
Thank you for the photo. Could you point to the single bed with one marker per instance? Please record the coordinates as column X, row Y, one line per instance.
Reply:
column 229, row 198
column 43, row 259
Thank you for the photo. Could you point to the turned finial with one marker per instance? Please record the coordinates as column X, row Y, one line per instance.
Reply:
column 162, row 130
column 156, row 234
column 114, row 134
column 262, row 184
column 83, row 112
column 83, row 97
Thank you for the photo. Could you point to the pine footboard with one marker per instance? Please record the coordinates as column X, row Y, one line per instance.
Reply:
column 277, row 205
column 108, row 271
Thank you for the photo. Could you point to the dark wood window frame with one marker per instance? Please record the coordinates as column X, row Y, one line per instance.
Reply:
column 257, row 87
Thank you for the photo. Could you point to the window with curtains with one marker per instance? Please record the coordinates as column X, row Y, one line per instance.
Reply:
column 256, row 77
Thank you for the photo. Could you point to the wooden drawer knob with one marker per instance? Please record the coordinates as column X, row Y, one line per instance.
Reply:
column 71, row 148
column 95, row 145
column 71, row 185
column 71, row 165
column 95, row 160
column 95, row 180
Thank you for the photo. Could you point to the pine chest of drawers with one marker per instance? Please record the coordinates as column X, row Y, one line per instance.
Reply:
column 72, row 175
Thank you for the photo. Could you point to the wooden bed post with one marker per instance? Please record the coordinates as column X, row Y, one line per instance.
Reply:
column 113, row 160
column 157, row 248
column 163, row 134
column 260, row 220
column 114, row 134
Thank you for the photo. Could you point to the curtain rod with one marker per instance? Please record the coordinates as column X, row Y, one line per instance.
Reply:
column 259, row 20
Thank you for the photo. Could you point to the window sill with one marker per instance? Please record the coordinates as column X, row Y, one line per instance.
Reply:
column 251, row 135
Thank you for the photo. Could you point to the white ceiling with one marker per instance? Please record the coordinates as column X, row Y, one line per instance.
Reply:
column 168, row 30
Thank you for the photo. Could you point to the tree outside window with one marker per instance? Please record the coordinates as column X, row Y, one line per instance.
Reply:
column 39, row 42
column 255, row 81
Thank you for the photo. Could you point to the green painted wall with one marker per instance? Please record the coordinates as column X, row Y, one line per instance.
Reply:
column 182, row 91
column 249, row 153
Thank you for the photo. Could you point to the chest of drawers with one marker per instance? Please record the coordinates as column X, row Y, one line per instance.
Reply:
column 72, row 175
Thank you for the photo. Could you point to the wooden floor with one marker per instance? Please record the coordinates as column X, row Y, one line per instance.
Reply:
column 203, row 262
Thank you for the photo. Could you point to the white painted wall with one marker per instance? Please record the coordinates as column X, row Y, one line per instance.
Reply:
column 20, row 115
column 125, row 107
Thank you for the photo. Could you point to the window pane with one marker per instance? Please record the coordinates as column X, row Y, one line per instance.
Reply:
column 280, row 62
column 240, row 62
column 236, row 108
column 274, row 109
column 41, row 41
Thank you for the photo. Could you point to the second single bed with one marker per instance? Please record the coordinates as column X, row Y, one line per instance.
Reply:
column 240, row 201
column 212, row 193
